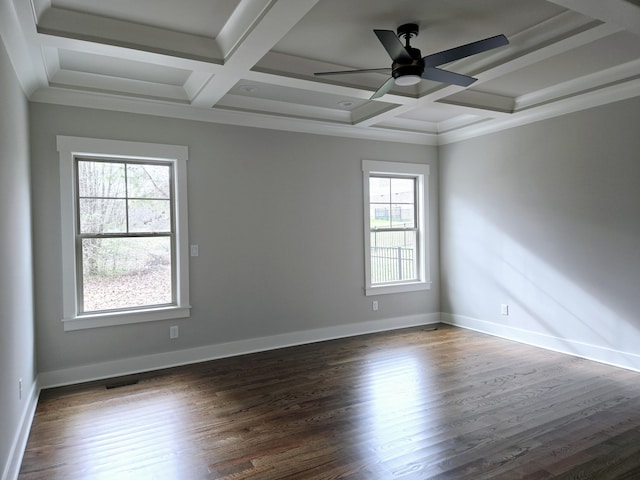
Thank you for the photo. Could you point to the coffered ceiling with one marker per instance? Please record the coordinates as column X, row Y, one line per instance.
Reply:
column 252, row 62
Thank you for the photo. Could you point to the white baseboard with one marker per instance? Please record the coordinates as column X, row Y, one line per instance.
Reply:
column 597, row 353
column 158, row 361
column 12, row 467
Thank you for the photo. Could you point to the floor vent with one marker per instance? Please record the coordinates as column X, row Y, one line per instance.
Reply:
column 123, row 383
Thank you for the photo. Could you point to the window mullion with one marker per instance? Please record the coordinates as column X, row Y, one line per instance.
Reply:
column 79, row 287
column 126, row 196
column 174, row 246
column 82, row 236
column 391, row 230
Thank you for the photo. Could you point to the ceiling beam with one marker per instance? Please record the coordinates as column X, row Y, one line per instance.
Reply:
column 278, row 18
column 620, row 12
column 244, row 17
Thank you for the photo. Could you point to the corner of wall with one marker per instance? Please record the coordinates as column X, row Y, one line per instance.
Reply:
column 616, row 358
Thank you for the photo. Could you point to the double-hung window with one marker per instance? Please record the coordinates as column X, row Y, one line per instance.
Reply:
column 123, row 231
column 395, row 227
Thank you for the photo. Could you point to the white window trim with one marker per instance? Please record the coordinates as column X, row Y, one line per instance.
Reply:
column 421, row 173
column 69, row 149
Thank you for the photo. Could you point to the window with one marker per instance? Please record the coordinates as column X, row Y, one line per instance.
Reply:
column 124, row 232
column 395, row 227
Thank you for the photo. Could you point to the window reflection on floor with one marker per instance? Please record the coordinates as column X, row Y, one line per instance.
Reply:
column 396, row 400
column 138, row 436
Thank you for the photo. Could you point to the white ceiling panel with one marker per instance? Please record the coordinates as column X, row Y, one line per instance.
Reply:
column 434, row 113
column 121, row 68
column 607, row 53
column 298, row 96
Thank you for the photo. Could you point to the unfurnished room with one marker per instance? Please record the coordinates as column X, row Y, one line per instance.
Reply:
column 319, row 239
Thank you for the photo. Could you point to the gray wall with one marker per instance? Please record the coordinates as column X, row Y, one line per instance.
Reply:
column 17, row 358
column 278, row 218
column 546, row 218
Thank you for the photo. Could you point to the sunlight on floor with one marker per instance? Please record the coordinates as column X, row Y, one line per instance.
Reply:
column 140, row 432
column 396, row 393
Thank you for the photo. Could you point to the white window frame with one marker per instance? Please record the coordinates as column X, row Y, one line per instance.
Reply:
column 420, row 173
column 69, row 149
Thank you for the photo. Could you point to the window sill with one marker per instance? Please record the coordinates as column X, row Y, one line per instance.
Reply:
column 82, row 322
column 397, row 288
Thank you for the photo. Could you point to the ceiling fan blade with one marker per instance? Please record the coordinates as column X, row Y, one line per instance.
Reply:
column 463, row 51
column 438, row 75
column 366, row 70
column 386, row 86
column 393, row 46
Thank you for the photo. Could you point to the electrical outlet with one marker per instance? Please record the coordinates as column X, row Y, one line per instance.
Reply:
column 20, row 389
column 504, row 309
column 374, row 305
column 174, row 332
column 195, row 250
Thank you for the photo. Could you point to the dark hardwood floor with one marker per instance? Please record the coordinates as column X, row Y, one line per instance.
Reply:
column 409, row 404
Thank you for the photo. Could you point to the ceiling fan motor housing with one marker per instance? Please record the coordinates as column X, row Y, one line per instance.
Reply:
column 415, row 68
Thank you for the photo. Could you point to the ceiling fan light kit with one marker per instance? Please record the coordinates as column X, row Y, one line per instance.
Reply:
column 407, row 79
column 409, row 67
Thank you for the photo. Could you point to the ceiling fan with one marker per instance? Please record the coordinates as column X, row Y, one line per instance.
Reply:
column 409, row 67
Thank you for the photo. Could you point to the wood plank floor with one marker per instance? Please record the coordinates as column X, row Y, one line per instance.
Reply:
column 408, row 404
